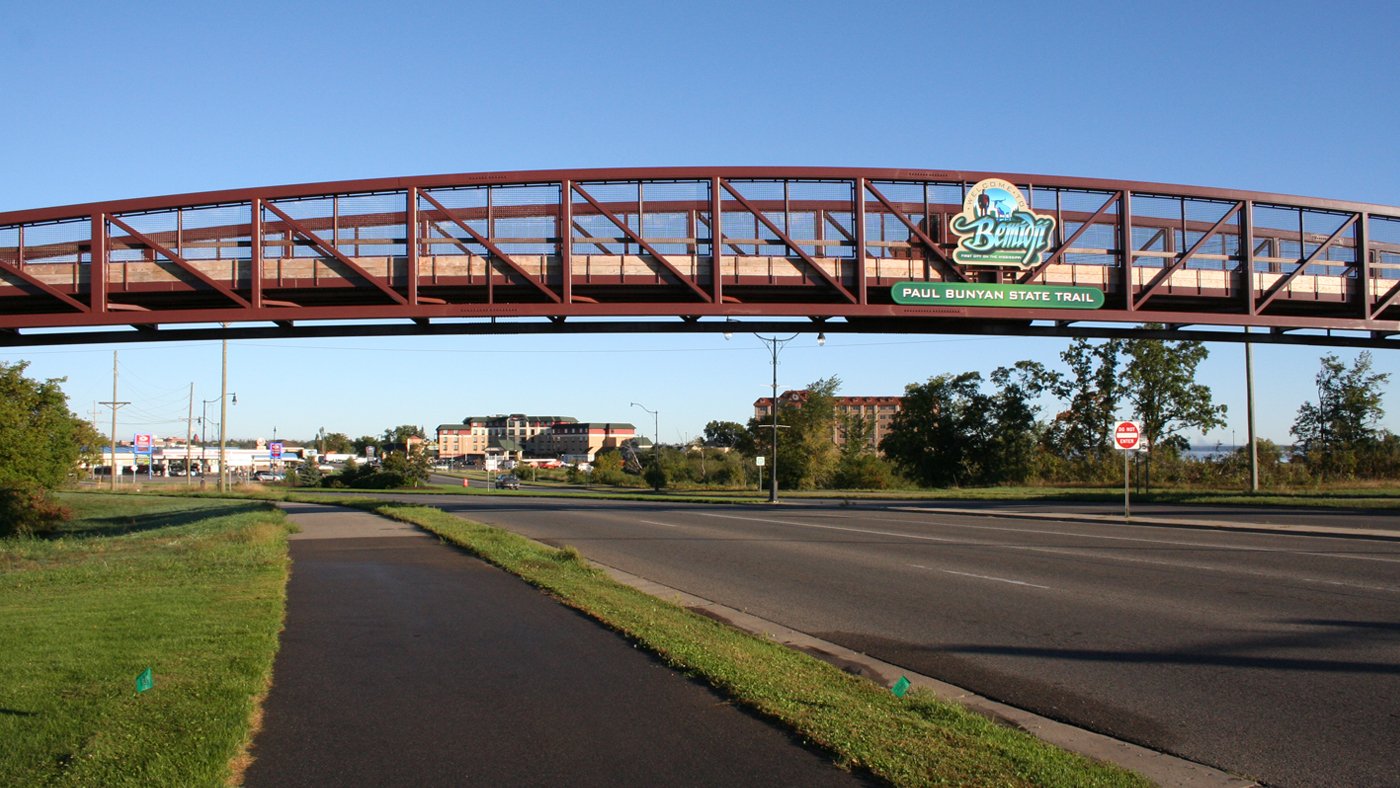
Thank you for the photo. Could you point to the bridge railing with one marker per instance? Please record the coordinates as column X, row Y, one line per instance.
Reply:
column 573, row 243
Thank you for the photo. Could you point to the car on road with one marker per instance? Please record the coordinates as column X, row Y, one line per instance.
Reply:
column 508, row 482
column 268, row 476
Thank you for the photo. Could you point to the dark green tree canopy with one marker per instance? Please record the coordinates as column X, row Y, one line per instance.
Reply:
column 1336, row 432
column 1160, row 382
column 40, row 439
column 725, row 434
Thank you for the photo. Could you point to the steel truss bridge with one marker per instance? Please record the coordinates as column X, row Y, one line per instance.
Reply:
column 688, row 249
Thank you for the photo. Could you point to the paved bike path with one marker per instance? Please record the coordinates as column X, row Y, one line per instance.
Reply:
column 407, row 662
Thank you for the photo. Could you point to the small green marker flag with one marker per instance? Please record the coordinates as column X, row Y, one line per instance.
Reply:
column 145, row 681
column 900, row 687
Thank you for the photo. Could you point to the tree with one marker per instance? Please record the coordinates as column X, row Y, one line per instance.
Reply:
column 807, row 454
column 364, row 442
column 726, row 434
column 40, row 444
column 607, row 467
column 1342, row 426
column 1160, row 382
column 337, row 443
column 411, row 469
column 1013, row 434
column 656, row 475
column 939, row 434
column 399, row 435
column 1091, row 393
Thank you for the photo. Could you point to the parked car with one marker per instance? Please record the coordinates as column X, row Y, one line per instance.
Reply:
column 508, row 482
column 268, row 476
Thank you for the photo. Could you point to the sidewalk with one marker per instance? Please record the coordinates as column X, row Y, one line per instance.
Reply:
column 406, row 662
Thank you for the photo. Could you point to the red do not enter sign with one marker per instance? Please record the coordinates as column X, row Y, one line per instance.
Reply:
column 1126, row 435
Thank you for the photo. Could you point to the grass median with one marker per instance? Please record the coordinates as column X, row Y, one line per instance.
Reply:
column 192, row 588
column 915, row 740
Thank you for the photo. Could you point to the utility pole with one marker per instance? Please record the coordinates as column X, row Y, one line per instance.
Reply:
column 1249, row 408
column 114, row 405
column 223, row 422
column 189, row 422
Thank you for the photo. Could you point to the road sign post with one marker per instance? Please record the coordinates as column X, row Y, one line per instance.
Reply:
column 1126, row 437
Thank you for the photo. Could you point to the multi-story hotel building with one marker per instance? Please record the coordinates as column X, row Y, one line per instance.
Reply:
column 876, row 411
column 519, row 434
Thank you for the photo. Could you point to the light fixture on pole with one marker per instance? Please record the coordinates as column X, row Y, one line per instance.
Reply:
column 775, row 344
column 655, row 430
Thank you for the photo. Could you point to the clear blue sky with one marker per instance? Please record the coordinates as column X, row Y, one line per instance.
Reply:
column 110, row 100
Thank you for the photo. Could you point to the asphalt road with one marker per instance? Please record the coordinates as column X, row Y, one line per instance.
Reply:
column 1272, row 656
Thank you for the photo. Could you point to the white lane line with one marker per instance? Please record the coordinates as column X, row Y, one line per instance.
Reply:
column 830, row 527
column 1240, row 548
column 998, row 579
column 1070, row 551
column 982, row 577
column 664, row 525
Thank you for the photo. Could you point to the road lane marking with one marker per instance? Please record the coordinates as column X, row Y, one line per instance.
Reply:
column 830, row 527
column 1061, row 550
column 998, row 579
column 663, row 525
column 982, row 577
column 1241, row 548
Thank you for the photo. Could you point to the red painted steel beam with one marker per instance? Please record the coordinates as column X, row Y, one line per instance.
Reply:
column 638, row 240
column 492, row 248
column 179, row 261
column 8, row 269
column 948, row 269
column 786, row 241
column 330, row 249
column 1166, row 273
column 1283, row 283
column 1059, row 253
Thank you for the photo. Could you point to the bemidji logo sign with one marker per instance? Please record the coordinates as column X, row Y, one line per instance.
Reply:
column 997, row 227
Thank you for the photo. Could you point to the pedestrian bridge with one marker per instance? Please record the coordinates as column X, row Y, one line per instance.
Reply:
column 705, row 249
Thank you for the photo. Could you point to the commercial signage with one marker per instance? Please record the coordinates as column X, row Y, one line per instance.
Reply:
column 274, row 450
column 1127, row 435
column 1017, row 296
column 998, row 228
column 142, row 443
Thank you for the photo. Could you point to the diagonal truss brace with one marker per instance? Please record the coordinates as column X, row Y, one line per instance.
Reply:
column 336, row 253
column 1282, row 284
column 637, row 239
column 184, row 264
column 11, row 269
column 787, row 241
column 1165, row 274
column 492, row 248
column 1059, row 253
column 1386, row 301
column 937, row 256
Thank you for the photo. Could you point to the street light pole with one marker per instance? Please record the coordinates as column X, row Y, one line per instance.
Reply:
column 655, row 431
column 774, row 343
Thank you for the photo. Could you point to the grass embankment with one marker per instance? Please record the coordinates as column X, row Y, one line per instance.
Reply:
column 917, row 740
column 192, row 588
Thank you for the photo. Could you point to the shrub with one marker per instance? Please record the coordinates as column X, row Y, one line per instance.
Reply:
column 26, row 509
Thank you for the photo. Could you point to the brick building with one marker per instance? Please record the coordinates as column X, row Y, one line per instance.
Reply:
column 876, row 411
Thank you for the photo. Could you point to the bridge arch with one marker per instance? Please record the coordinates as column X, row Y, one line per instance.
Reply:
column 701, row 249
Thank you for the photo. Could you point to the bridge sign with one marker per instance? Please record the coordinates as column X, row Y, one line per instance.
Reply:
column 1127, row 435
column 1012, row 296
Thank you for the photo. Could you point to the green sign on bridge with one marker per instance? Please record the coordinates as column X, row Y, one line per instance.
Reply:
column 974, row 294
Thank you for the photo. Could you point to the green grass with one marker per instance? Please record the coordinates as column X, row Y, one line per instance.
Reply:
column 917, row 740
column 193, row 588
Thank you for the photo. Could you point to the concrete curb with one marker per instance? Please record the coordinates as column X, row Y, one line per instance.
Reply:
column 1161, row 768
column 1206, row 525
